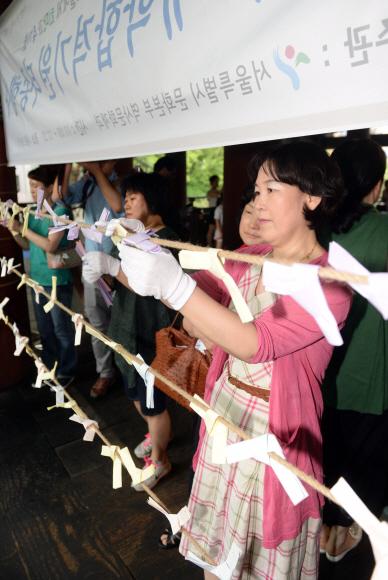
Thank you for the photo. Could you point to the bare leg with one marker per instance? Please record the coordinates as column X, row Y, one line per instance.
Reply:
column 210, row 234
column 219, row 244
column 138, row 407
column 210, row 576
column 159, row 427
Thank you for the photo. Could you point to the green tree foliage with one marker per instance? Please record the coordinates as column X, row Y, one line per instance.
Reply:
column 201, row 164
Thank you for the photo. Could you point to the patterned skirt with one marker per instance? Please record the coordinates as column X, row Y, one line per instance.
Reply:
column 226, row 502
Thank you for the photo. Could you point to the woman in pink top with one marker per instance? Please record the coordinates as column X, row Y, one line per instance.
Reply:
column 266, row 374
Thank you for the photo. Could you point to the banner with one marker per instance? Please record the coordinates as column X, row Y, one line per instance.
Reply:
column 96, row 79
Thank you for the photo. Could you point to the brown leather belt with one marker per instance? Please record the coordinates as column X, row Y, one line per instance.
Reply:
column 253, row 391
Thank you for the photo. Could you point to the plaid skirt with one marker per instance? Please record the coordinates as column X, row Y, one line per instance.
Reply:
column 226, row 502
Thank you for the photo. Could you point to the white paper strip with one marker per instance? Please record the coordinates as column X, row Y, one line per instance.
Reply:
column 217, row 430
column 149, row 380
column 78, row 328
column 377, row 531
column 88, row 424
column 137, row 475
column 23, row 341
column 59, row 396
column 210, row 261
column 3, row 266
column 223, row 571
column 376, row 292
column 301, row 282
column 258, row 448
column 176, row 520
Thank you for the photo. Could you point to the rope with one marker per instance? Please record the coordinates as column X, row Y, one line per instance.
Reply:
column 324, row 273
column 81, row 413
column 121, row 350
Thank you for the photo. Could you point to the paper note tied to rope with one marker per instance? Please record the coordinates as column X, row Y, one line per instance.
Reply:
column 3, row 266
column 23, row 341
column 121, row 233
column 39, row 201
column 7, row 204
column 15, row 210
column 301, row 282
column 210, row 261
column 53, row 214
column 10, row 266
column 25, row 222
column 37, row 289
column 176, row 520
column 92, row 234
column 77, row 319
column 47, row 307
column 258, row 448
column 62, row 227
column 42, row 375
column 142, row 241
column 377, row 531
column 217, row 430
column 375, row 292
column 67, row 405
column 223, row 571
column 23, row 280
column 88, row 424
column 148, row 378
column 117, row 475
column 137, row 475
column 2, row 304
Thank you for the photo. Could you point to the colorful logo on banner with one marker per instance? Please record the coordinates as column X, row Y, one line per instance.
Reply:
column 286, row 68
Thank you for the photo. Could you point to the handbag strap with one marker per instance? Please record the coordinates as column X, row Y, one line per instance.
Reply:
column 173, row 322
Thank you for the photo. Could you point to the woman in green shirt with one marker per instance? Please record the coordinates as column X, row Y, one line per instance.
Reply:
column 55, row 327
column 355, row 386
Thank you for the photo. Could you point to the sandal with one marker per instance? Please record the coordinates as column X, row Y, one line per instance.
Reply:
column 173, row 540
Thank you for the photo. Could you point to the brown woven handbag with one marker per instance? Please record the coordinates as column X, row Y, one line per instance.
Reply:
column 179, row 361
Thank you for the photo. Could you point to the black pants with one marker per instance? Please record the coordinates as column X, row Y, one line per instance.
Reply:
column 355, row 447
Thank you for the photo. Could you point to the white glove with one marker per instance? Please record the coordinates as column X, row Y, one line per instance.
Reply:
column 156, row 274
column 133, row 226
column 98, row 263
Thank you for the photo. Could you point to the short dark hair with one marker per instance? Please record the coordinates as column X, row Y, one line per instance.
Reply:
column 153, row 187
column 165, row 163
column 247, row 196
column 362, row 163
column 44, row 173
column 308, row 167
column 212, row 178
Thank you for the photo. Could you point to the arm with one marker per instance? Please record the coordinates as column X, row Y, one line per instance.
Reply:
column 221, row 326
column 49, row 244
column 194, row 332
column 65, row 185
column 111, row 195
column 22, row 242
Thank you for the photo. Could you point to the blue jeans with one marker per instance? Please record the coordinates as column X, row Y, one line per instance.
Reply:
column 57, row 332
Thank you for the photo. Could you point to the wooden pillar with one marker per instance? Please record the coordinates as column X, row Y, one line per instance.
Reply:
column 13, row 369
column 358, row 134
column 178, row 198
column 236, row 159
column 124, row 166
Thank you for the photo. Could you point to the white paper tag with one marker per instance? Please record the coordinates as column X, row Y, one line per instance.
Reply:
column 258, row 448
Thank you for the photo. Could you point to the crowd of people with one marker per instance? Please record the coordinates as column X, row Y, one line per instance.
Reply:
column 327, row 406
